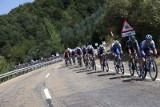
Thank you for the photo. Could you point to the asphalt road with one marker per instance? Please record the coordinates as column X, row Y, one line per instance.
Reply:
column 60, row 86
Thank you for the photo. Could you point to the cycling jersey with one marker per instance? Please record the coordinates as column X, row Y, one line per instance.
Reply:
column 146, row 47
column 132, row 45
column 90, row 51
column 78, row 51
column 101, row 50
column 66, row 54
column 116, row 48
column 84, row 51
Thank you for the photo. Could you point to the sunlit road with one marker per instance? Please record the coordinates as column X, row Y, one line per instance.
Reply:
column 59, row 86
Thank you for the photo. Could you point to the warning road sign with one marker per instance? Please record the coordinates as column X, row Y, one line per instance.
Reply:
column 127, row 29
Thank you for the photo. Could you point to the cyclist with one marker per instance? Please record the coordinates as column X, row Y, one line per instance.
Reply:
column 90, row 51
column 116, row 49
column 73, row 55
column 66, row 55
column 132, row 47
column 84, row 50
column 79, row 54
column 101, row 53
column 147, row 47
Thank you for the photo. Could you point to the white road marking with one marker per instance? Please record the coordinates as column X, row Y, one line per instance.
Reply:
column 127, row 73
column 111, row 70
column 47, row 93
column 47, row 75
column 98, row 66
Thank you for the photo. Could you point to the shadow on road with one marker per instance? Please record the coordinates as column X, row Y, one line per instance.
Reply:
column 122, row 76
column 136, row 79
column 95, row 72
column 132, row 80
column 107, row 74
column 72, row 67
column 81, row 70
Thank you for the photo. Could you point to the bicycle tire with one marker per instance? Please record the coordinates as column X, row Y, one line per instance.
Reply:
column 144, row 72
column 103, row 65
column 122, row 67
column 137, row 68
column 131, row 68
column 155, row 69
column 115, row 66
column 107, row 67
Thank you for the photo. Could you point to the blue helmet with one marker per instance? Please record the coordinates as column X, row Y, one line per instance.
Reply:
column 149, row 37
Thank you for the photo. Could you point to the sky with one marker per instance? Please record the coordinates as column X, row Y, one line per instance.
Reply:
column 7, row 5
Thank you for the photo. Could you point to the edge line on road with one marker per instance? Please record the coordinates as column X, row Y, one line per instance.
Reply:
column 48, row 96
column 47, row 75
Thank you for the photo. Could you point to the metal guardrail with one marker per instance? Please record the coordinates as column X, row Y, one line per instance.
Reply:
column 17, row 72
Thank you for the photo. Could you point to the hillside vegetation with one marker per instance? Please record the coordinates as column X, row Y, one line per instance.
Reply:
column 44, row 27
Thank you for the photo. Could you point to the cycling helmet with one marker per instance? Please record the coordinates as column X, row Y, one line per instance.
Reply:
column 132, row 38
column 89, row 46
column 149, row 37
column 104, row 43
column 101, row 45
column 116, row 42
column 84, row 46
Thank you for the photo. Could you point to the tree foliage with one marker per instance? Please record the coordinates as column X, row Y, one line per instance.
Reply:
column 44, row 27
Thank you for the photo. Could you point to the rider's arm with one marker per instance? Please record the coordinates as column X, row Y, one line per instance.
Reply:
column 120, row 48
column 93, row 51
column 154, row 48
column 142, row 47
column 137, row 46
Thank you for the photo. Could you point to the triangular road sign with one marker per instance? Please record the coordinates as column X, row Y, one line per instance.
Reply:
column 126, row 27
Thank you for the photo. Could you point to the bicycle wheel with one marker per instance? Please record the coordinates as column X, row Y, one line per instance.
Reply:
column 80, row 62
column 89, row 64
column 107, row 67
column 93, row 65
column 131, row 68
column 153, row 71
column 144, row 72
column 116, row 68
column 121, row 67
column 103, row 65
column 137, row 68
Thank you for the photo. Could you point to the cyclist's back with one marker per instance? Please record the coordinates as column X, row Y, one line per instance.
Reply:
column 84, row 50
column 146, row 45
column 79, row 51
column 132, row 45
column 90, row 50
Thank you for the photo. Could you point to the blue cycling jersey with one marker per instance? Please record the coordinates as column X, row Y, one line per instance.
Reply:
column 115, row 46
column 147, row 45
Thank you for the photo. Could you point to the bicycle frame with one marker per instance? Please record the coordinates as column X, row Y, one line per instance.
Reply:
column 147, row 68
